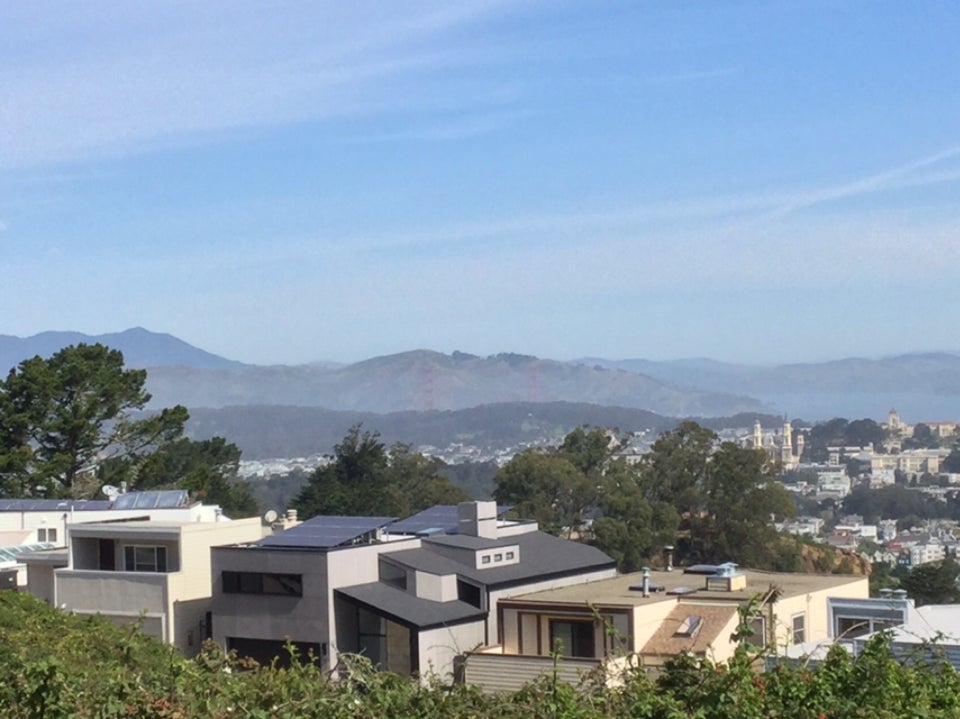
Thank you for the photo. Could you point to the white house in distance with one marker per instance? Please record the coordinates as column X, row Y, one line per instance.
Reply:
column 137, row 568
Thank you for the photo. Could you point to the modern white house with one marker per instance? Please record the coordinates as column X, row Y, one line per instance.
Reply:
column 411, row 596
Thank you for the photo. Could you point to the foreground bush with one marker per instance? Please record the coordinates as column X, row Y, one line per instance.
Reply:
column 58, row 665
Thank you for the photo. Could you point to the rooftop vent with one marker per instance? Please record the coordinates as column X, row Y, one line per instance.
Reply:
column 726, row 578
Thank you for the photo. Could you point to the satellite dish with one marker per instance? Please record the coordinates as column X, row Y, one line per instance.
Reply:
column 110, row 492
column 270, row 517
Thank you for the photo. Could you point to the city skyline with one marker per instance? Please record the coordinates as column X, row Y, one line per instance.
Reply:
column 762, row 183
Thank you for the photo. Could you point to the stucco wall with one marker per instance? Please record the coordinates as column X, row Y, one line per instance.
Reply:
column 438, row 647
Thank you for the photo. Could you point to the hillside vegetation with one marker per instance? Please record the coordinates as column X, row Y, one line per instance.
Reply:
column 54, row 665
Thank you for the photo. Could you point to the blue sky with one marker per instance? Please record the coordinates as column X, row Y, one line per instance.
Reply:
column 288, row 182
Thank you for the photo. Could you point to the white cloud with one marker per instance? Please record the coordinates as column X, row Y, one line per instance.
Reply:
column 115, row 82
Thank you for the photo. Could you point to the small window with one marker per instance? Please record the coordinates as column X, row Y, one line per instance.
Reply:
column 510, row 555
column 759, row 636
column 47, row 534
column 485, row 559
column 498, row 557
column 799, row 628
column 689, row 626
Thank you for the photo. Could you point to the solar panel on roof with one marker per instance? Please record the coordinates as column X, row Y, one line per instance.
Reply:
column 51, row 505
column 165, row 499
column 327, row 532
column 441, row 518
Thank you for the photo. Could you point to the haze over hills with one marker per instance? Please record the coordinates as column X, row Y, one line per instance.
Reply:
column 920, row 385
column 140, row 347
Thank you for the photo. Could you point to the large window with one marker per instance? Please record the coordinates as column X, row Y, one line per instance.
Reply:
column 393, row 575
column 139, row 558
column 290, row 585
column 469, row 593
column 572, row 637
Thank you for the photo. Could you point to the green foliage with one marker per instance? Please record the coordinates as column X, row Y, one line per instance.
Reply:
column 922, row 438
column 54, row 665
column 713, row 502
column 933, row 583
column 895, row 502
column 365, row 479
column 207, row 468
column 839, row 432
column 58, row 414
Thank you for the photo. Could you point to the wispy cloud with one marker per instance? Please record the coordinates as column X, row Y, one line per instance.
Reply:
column 128, row 83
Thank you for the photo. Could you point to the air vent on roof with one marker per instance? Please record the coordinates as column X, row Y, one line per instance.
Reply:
column 701, row 569
column 680, row 591
column 638, row 587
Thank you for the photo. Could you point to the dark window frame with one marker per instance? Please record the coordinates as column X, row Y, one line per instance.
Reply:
column 262, row 583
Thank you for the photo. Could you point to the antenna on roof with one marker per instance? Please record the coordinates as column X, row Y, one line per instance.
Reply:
column 110, row 492
column 270, row 517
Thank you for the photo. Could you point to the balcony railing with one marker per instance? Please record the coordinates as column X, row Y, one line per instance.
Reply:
column 493, row 671
column 128, row 592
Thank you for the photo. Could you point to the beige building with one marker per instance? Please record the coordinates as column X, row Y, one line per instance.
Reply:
column 633, row 620
column 154, row 572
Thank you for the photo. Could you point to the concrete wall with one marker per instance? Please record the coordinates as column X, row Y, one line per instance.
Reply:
column 310, row 618
column 440, row 647
column 258, row 616
column 436, row 587
column 40, row 582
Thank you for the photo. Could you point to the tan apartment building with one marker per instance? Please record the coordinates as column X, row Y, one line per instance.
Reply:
column 154, row 572
column 638, row 620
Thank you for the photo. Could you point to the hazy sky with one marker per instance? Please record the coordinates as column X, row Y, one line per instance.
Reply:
column 286, row 182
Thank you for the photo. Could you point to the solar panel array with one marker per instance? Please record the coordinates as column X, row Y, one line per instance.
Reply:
column 439, row 519
column 52, row 505
column 165, row 499
column 327, row 532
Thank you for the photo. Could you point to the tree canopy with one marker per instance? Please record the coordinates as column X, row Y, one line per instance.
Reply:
column 75, row 421
column 59, row 415
column 714, row 502
column 365, row 478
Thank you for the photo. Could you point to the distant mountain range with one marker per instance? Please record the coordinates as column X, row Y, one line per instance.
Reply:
column 921, row 386
column 140, row 347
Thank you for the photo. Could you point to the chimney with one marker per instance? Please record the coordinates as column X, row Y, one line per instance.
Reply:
column 669, row 552
column 646, row 581
column 477, row 519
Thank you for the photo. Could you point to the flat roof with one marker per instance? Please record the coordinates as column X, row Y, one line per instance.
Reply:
column 541, row 555
column 408, row 609
column 617, row 589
